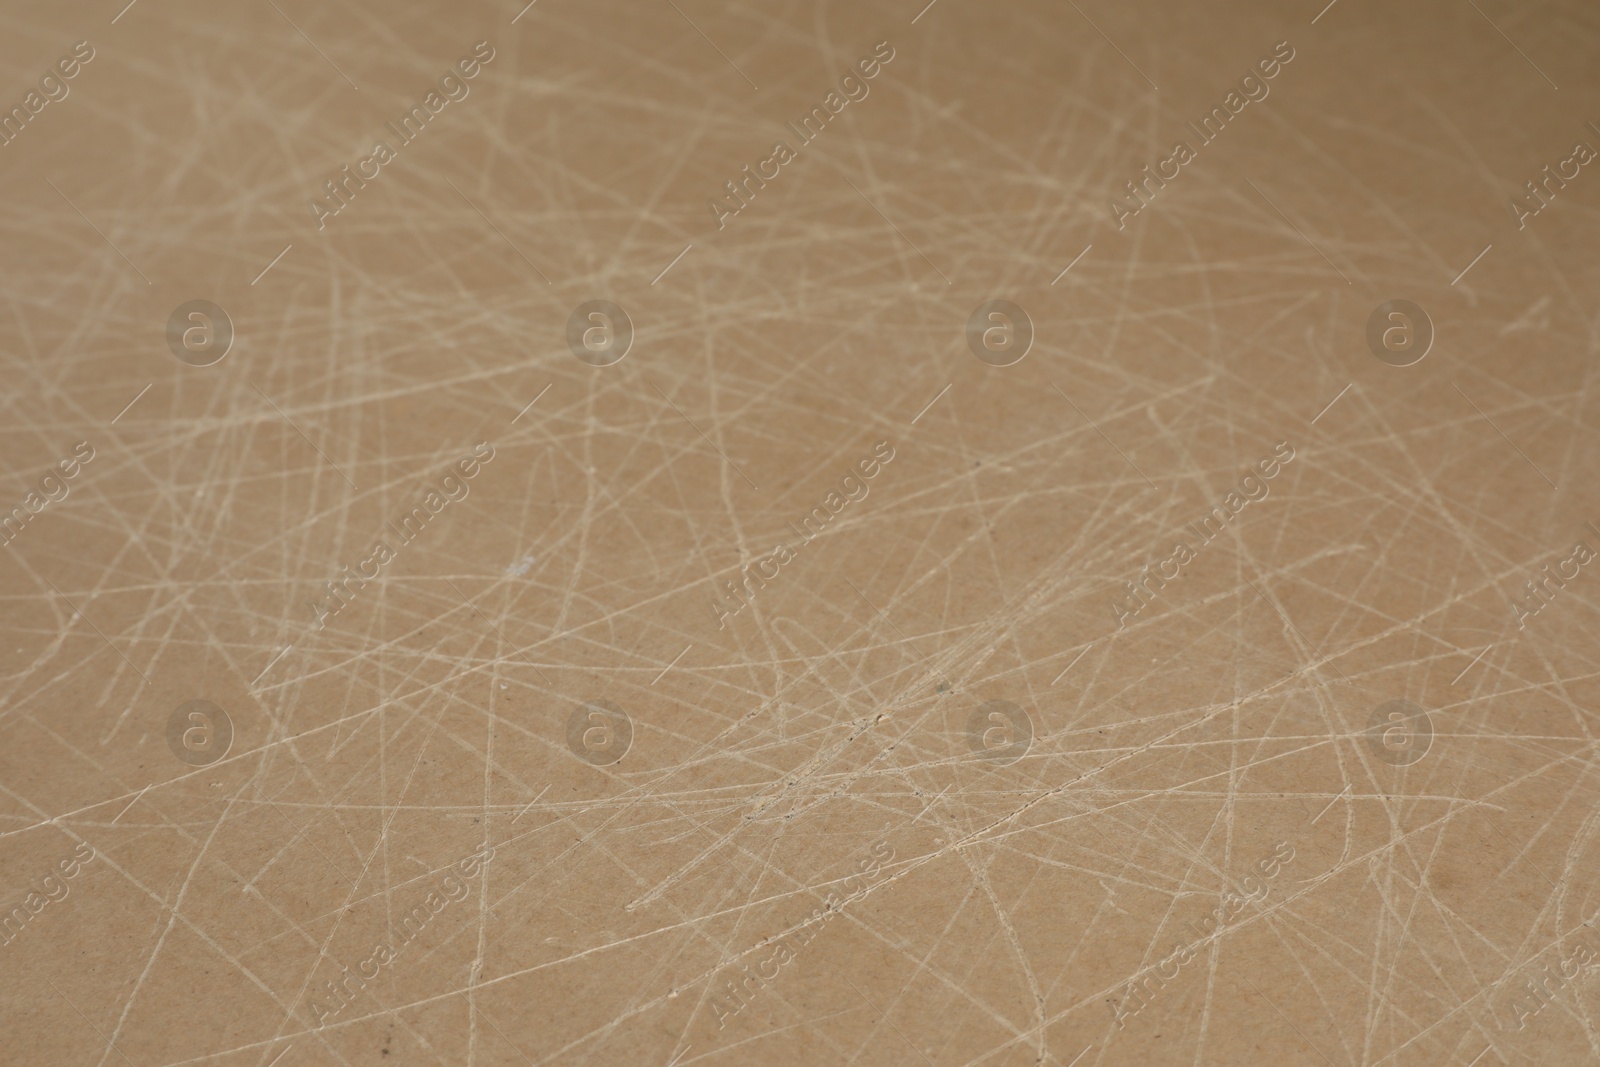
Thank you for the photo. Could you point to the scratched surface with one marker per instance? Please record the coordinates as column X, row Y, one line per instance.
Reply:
column 817, row 683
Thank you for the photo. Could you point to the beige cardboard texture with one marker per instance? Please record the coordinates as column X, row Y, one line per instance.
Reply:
column 703, row 534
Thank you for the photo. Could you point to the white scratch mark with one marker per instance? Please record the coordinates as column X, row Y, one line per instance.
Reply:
column 274, row 263
column 1469, row 266
column 1332, row 402
column 930, row 403
column 674, row 663
column 530, row 404
column 1469, row 666
column 1331, row 803
column 674, row 263
column 269, row 666
column 1074, row 263
column 1068, row 667
column 132, row 402
column 131, row 803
